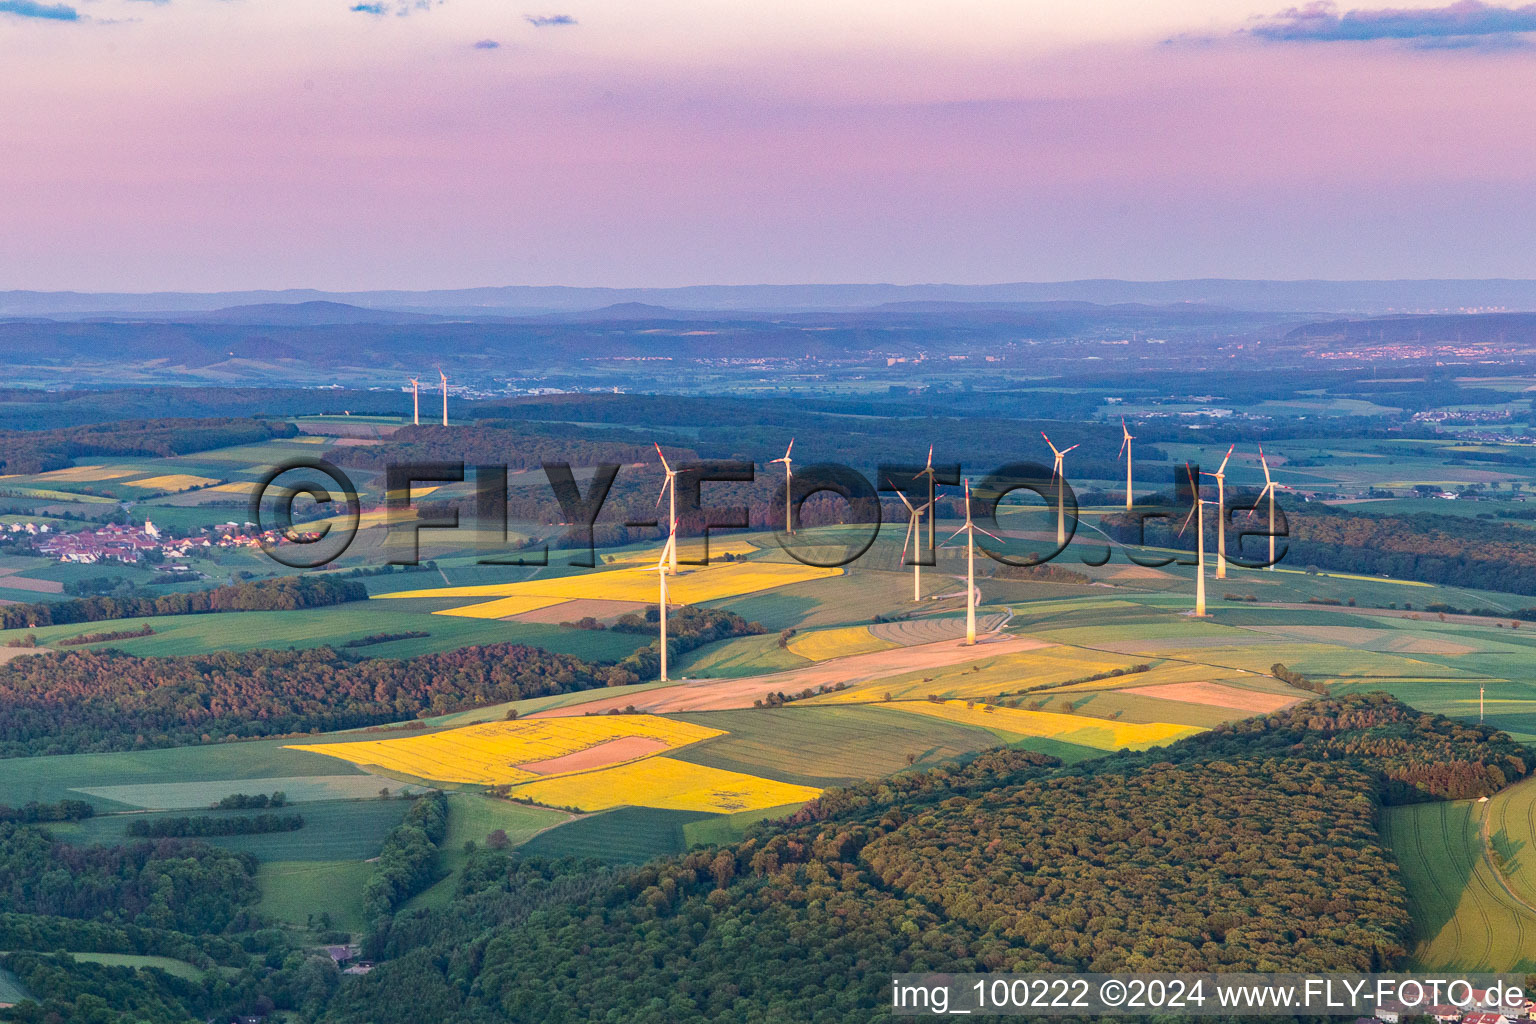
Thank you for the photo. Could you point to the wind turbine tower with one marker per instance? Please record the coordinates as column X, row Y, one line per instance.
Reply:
column 661, row 601
column 415, row 401
column 1125, row 449
column 789, row 525
column 1198, row 514
column 444, row 376
column 1221, row 513
column 914, row 538
column 1269, row 487
column 669, row 486
column 1061, row 492
column 972, row 595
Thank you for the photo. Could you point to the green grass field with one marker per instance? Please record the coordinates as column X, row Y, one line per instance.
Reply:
column 179, row 968
column 10, row 988
column 333, row 830
column 1463, row 918
column 49, row 779
column 335, row 625
column 625, row 835
column 724, row 829
column 292, row 891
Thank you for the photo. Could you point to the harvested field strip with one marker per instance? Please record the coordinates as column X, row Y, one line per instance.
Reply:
column 726, row 694
column 985, row 675
column 490, row 753
column 170, row 482
column 928, row 630
column 1217, row 695
column 1081, row 730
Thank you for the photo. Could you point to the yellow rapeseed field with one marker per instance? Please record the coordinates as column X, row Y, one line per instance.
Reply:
column 666, row 783
column 170, row 482
column 1099, row 733
column 489, row 753
column 690, row 586
column 500, row 609
column 823, row 644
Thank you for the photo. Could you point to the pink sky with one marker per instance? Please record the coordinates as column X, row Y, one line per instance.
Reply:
column 209, row 144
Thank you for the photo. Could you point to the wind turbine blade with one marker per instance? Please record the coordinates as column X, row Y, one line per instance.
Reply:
column 789, row 449
column 989, row 533
column 905, row 502
column 1048, row 441
column 1223, row 467
column 1122, row 447
column 911, row 526
column 955, row 534
column 663, row 493
column 1188, row 518
column 663, row 458
column 930, row 459
column 1073, row 448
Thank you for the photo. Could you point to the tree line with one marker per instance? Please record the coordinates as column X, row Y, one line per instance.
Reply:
column 281, row 593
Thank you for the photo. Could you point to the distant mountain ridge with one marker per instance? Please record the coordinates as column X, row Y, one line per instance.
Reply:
column 1354, row 297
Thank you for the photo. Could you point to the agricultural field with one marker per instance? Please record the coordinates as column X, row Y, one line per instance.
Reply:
column 297, row 891
column 664, row 783
column 691, row 585
column 333, row 830
column 626, row 835
column 1464, row 916
column 1012, row 724
column 824, row 644
column 498, row 753
column 823, row 746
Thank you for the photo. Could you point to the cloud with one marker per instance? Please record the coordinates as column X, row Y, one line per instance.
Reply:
column 487, row 44
column 32, row 9
column 397, row 7
column 545, row 20
column 1464, row 24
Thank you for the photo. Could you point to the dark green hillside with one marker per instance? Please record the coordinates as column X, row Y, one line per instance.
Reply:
column 1252, row 848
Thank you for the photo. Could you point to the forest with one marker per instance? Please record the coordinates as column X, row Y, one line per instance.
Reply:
column 87, row 701
column 37, row 451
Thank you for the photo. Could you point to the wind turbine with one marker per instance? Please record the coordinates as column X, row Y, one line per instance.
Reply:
column 972, row 595
column 1061, row 492
column 669, row 486
column 1269, row 488
column 661, row 602
column 912, row 534
column 1125, row 448
column 789, row 526
column 444, row 376
column 1197, row 513
column 416, row 401
column 1221, row 513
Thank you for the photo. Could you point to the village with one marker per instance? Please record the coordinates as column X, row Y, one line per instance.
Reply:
column 132, row 545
